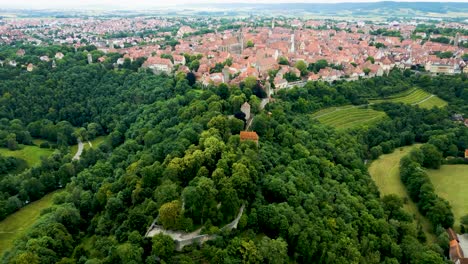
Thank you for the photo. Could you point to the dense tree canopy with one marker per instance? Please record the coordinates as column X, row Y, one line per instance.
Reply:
column 173, row 153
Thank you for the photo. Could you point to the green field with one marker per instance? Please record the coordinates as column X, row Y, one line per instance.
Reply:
column 31, row 154
column 14, row 225
column 346, row 117
column 94, row 143
column 416, row 97
column 451, row 183
column 385, row 171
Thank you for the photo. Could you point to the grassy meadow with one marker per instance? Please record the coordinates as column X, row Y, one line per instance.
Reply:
column 94, row 144
column 14, row 225
column 451, row 183
column 30, row 154
column 385, row 171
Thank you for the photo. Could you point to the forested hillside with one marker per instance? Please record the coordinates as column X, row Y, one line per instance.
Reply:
column 173, row 152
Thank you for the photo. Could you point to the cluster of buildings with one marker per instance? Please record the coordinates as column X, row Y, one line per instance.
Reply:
column 269, row 52
column 259, row 51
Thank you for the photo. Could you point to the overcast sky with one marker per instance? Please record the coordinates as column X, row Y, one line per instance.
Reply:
column 138, row 4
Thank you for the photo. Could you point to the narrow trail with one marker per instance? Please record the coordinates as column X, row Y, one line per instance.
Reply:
column 424, row 100
column 183, row 239
column 80, row 150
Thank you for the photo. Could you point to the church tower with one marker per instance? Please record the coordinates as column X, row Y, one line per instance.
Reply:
column 292, row 49
column 240, row 39
column 456, row 41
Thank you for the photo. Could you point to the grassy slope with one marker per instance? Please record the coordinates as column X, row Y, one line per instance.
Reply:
column 451, row 183
column 385, row 171
column 415, row 97
column 14, row 225
column 346, row 117
column 31, row 154
column 95, row 143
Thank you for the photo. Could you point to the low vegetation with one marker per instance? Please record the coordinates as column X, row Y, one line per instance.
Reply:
column 385, row 171
column 347, row 117
column 30, row 154
column 417, row 97
column 88, row 144
column 17, row 223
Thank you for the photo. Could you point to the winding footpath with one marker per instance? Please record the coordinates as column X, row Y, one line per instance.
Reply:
column 183, row 239
column 424, row 100
column 80, row 150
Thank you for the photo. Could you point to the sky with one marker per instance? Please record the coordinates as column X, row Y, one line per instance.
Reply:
column 139, row 4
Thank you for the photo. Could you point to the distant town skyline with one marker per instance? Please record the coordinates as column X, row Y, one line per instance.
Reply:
column 138, row 4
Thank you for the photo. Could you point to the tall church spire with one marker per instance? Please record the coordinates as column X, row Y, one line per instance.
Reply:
column 292, row 49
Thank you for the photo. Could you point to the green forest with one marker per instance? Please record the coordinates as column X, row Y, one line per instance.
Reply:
column 172, row 156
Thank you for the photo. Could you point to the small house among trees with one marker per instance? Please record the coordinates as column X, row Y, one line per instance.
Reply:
column 247, row 135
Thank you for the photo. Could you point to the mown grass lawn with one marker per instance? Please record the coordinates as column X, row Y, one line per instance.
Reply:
column 14, row 225
column 385, row 171
column 451, row 183
column 31, row 154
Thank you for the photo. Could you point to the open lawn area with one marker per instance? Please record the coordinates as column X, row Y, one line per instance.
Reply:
column 451, row 183
column 14, row 225
column 349, row 116
column 385, row 171
column 415, row 97
column 31, row 154
column 86, row 144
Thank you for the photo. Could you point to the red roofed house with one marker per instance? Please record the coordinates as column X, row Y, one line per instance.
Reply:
column 179, row 59
column 466, row 153
column 159, row 65
column 247, row 135
column 456, row 252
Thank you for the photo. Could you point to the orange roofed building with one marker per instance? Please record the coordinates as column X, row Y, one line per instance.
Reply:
column 247, row 135
column 456, row 252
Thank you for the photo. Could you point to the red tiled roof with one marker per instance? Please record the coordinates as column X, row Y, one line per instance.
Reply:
column 246, row 135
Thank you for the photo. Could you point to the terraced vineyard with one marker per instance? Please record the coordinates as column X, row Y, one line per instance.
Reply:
column 417, row 97
column 347, row 117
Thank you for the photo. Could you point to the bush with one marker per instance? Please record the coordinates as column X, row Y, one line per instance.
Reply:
column 44, row 145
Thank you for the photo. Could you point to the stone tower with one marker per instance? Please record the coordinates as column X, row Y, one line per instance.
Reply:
column 240, row 39
column 456, row 40
column 226, row 74
column 90, row 58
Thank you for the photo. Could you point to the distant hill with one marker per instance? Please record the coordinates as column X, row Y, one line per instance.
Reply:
column 384, row 8
column 435, row 7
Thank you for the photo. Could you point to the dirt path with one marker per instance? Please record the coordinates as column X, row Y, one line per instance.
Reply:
column 80, row 150
column 182, row 238
column 424, row 100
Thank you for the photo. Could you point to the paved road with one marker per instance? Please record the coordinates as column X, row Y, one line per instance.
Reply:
column 80, row 150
